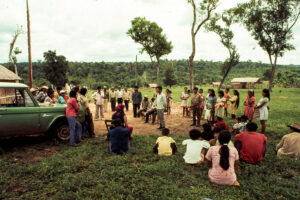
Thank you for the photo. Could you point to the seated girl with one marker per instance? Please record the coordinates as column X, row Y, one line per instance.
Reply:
column 215, row 141
column 207, row 132
column 223, row 161
column 120, row 114
column 195, row 148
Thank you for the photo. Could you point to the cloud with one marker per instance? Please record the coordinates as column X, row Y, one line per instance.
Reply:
column 95, row 30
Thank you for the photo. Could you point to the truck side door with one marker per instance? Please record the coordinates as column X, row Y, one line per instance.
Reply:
column 19, row 113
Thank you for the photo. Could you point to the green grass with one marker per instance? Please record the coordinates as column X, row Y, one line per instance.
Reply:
column 89, row 172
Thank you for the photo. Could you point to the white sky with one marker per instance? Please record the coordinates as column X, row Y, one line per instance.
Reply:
column 95, row 30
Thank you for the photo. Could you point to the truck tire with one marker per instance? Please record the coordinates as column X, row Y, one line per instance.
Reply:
column 62, row 131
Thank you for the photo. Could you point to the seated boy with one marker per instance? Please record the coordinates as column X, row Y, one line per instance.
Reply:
column 221, row 123
column 165, row 145
column 215, row 141
column 118, row 138
column 152, row 111
column 195, row 148
column 290, row 143
column 235, row 127
column 251, row 145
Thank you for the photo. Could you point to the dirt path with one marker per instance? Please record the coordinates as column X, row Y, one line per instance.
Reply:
column 177, row 124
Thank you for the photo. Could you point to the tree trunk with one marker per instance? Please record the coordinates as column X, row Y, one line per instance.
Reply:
column 157, row 72
column 226, row 74
column 273, row 69
column 135, row 71
column 191, row 70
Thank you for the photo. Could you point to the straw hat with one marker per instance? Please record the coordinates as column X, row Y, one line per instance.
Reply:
column 62, row 92
column 33, row 90
column 146, row 96
column 44, row 87
column 295, row 126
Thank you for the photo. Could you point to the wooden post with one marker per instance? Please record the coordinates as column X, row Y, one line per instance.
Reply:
column 29, row 46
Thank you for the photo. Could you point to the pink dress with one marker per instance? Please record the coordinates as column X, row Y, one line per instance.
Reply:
column 249, row 108
column 217, row 174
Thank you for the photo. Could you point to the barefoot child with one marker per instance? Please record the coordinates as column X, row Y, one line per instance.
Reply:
column 165, row 145
column 195, row 148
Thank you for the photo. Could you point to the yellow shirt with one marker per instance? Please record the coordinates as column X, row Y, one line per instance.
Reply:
column 164, row 145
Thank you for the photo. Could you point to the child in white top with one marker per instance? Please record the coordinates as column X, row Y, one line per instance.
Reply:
column 195, row 148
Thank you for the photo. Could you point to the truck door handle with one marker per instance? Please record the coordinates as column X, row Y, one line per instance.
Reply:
column 3, row 109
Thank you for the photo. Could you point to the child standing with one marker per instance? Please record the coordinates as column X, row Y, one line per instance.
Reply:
column 220, row 105
column 165, row 145
column 185, row 95
column 227, row 97
column 223, row 161
column 195, row 148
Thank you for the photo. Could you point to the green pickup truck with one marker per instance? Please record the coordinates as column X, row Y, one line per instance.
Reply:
column 20, row 114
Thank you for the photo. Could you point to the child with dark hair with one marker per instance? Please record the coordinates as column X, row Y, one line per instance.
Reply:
column 227, row 97
column 215, row 141
column 250, row 144
column 263, row 109
column 240, row 125
column 207, row 132
column 221, row 101
column 211, row 100
column 195, row 148
column 165, row 145
column 221, row 123
column 235, row 127
column 223, row 161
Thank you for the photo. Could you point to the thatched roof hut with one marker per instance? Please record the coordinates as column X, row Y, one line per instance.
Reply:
column 215, row 84
column 246, row 83
column 8, row 76
column 152, row 85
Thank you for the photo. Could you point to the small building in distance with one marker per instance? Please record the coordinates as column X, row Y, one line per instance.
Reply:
column 151, row 85
column 8, row 76
column 246, row 83
column 215, row 84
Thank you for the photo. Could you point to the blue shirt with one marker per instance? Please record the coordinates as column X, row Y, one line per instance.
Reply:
column 61, row 100
column 119, row 139
column 136, row 97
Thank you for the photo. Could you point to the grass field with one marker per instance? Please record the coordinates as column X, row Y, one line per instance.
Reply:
column 89, row 172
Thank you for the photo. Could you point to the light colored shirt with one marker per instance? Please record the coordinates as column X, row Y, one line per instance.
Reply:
column 84, row 101
column 161, row 101
column 112, row 94
column 98, row 97
column 289, row 145
column 126, row 95
column 119, row 94
column 217, row 174
column 193, row 150
column 164, row 145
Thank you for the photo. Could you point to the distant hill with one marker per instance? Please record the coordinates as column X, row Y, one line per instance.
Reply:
column 114, row 74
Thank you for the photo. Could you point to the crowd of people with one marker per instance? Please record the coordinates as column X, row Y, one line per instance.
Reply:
column 214, row 143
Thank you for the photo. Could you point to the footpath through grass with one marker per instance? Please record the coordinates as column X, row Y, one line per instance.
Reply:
column 89, row 172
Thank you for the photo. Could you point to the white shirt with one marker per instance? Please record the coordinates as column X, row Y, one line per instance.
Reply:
column 98, row 97
column 126, row 95
column 193, row 150
column 161, row 101
column 119, row 94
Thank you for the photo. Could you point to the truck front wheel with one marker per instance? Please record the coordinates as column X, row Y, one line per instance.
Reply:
column 62, row 132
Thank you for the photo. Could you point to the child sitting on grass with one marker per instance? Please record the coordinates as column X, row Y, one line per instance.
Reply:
column 165, row 145
column 195, row 148
column 235, row 129
column 223, row 161
column 221, row 123
column 215, row 141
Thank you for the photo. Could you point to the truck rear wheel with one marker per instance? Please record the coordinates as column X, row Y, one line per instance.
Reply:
column 62, row 132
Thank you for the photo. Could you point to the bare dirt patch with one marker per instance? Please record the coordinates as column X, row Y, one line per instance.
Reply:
column 283, row 97
column 177, row 124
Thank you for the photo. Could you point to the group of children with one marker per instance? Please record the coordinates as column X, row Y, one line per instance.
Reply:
column 215, row 146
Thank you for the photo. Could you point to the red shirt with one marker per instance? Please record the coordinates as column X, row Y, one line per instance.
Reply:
column 223, row 125
column 252, row 146
column 72, row 107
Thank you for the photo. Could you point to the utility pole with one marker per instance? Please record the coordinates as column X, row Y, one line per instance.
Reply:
column 29, row 46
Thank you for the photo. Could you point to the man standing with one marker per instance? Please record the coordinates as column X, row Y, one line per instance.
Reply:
column 126, row 97
column 161, row 103
column 112, row 96
column 99, row 101
column 196, row 106
column 120, row 96
column 136, row 100
column 106, row 98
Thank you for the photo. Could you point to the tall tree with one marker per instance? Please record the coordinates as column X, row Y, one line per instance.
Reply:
column 55, row 68
column 13, row 52
column 170, row 77
column 226, row 36
column 270, row 22
column 153, row 41
column 201, row 14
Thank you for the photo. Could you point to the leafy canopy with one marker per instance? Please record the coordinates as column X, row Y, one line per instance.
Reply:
column 150, row 36
column 55, row 68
